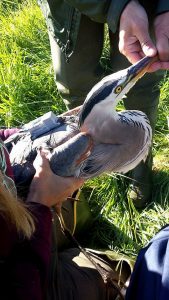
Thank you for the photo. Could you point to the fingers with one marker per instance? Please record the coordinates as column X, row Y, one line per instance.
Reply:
column 145, row 41
column 143, row 36
column 76, row 184
column 163, row 48
column 162, row 44
column 58, row 207
column 130, row 47
column 46, row 187
column 41, row 161
column 137, row 44
column 159, row 65
column 72, row 184
column 135, row 50
column 134, row 38
column 161, row 28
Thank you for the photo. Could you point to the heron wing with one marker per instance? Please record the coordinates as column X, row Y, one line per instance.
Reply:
column 111, row 158
column 27, row 141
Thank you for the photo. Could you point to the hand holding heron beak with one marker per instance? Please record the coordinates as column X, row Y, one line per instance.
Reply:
column 134, row 37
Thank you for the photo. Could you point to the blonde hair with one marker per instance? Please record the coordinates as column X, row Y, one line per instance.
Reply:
column 12, row 209
column 15, row 212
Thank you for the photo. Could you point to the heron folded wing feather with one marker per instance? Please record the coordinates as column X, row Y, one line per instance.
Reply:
column 66, row 158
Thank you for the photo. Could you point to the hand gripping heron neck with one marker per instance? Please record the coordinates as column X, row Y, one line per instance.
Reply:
column 98, row 139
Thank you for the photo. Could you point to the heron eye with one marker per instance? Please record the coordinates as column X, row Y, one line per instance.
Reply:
column 118, row 89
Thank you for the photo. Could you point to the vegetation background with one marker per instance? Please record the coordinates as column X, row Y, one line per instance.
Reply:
column 27, row 90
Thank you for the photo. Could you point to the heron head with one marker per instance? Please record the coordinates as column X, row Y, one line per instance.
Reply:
column 112, row 88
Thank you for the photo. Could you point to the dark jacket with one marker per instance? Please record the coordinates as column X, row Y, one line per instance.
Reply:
column 150, row 278
column 63, row 17
column 24, row 263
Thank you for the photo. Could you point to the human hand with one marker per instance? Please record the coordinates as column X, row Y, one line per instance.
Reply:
column 161, row 29
column 49, row 189
column 134, row 38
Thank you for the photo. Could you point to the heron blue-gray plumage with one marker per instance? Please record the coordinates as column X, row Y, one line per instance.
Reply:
column 120, row 140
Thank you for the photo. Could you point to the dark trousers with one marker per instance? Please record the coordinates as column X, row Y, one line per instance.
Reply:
column 72, row 275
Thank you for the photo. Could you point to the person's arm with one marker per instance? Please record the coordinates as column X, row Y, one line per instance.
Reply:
column 134, row 37
column 24, row 263
column 31, row 258
column 109, row 11
column 105, row 11
column 27, row 260
column 46, row 190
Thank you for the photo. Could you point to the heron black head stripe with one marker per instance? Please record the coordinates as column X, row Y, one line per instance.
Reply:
column 99, row 95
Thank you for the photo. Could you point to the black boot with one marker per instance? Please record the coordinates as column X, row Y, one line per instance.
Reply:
column 140, row 189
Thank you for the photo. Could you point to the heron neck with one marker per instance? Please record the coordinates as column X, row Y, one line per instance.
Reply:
column 97, row 117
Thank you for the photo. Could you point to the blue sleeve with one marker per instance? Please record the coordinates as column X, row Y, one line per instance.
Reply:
column 150, row 278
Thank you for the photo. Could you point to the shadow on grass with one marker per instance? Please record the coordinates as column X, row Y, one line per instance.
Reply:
column 161, row 187
column 103, row 235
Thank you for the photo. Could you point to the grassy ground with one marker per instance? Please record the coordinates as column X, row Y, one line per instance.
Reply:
column 27, row 90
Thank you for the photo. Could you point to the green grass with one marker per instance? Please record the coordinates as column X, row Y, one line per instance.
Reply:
column 27, row 87
column 27, row 90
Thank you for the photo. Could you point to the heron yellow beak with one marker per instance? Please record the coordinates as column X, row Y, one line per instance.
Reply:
column 137, row 70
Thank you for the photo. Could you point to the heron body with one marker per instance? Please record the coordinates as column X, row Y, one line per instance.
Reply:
column 131, row 135
column 98, row 139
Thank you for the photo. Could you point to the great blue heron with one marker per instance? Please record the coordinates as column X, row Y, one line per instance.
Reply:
column 96, row 139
